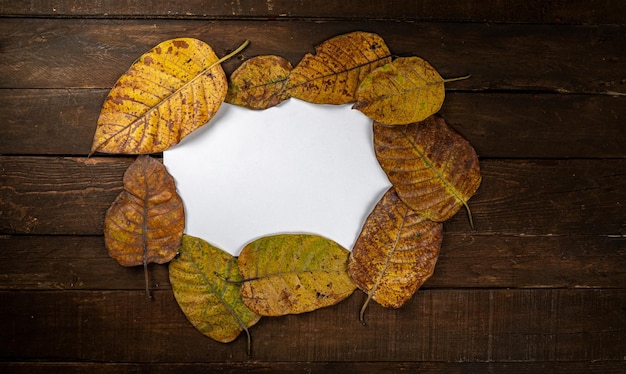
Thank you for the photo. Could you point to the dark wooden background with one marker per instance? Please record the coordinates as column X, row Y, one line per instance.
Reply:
column 539, row 286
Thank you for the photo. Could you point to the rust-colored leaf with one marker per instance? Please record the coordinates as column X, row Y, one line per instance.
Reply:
column 293, row 273
column 395, row 253
column 259, row 82
column 406, row 90
column 167, row 93
column 145, row 223
column 433, row 169
column 205, row 281
column 333, row 74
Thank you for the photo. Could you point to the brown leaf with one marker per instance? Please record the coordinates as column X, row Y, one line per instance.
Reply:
column 433, row 169
column 395, row 253
column 333, row 74
column 167, row 93
column 145, row 223
column 259, row 82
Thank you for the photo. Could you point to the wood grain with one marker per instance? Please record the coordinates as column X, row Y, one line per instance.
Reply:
column 470, row 260
column 539, row 286
column 436, row 325
column 93, row 53
column 558, row 12
column 256, row 367
column 60, row 196
column 502, row 125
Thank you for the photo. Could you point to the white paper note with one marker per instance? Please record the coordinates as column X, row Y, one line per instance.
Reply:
column 294, row 168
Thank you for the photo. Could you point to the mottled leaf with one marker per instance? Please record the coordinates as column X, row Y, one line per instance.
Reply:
column 406, row 90
column 205, row 281
column 259, row 82
column 433, row 169
column 395, row 253
column 333, row 74
column 146, row 221
column 167, row 93
column 293, row 273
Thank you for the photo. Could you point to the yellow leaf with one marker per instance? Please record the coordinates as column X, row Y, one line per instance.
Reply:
column 205, row 281
column 146, row 221
column 433, row 169
column 167, row 93
column 404, row 91
column 334, row 73
column 259, row 82
column 395, row 253
column 293, row 273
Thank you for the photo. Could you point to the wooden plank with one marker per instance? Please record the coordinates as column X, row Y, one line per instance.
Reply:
column 58, row 195
column 597, row 11
column 499, row 125
column 254, row 367
column 93, row 53
column 466, row 261
column 437, row 325
column 69, row 196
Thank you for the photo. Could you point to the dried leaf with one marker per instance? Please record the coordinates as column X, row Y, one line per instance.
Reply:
column 395, row 253
column 167, row 93
column 293, row 273
column 205, row 281
column 334, row 73
column 433, row 169
column 259, row 82
column 146, row 221
column 404, row 91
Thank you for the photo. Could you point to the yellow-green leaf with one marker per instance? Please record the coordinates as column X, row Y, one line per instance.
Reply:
column 433, row 169
column 395, row 253
column 293, row 273
column 259, row 82
column 403, row 91
column 146, row 221
column 205, row 281
column 333, row 74
column 167, row 93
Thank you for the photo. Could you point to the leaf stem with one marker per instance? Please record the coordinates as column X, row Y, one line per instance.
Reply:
column 231, row 54
column 363, row 308
column 457, row 79
column 145, row 274
column 249, row 347
column 469, row 215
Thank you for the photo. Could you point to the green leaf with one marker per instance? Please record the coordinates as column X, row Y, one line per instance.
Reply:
column 205, row 281
column 293, row 273
column 406, row 90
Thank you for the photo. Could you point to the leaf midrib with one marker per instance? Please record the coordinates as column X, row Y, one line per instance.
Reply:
column 455, row 193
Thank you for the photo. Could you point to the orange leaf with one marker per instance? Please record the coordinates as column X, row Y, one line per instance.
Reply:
column 333, row 74
column 395, row 253
column 145, row 223
column 167, row 93
column 259, row 82
column 433, row 169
